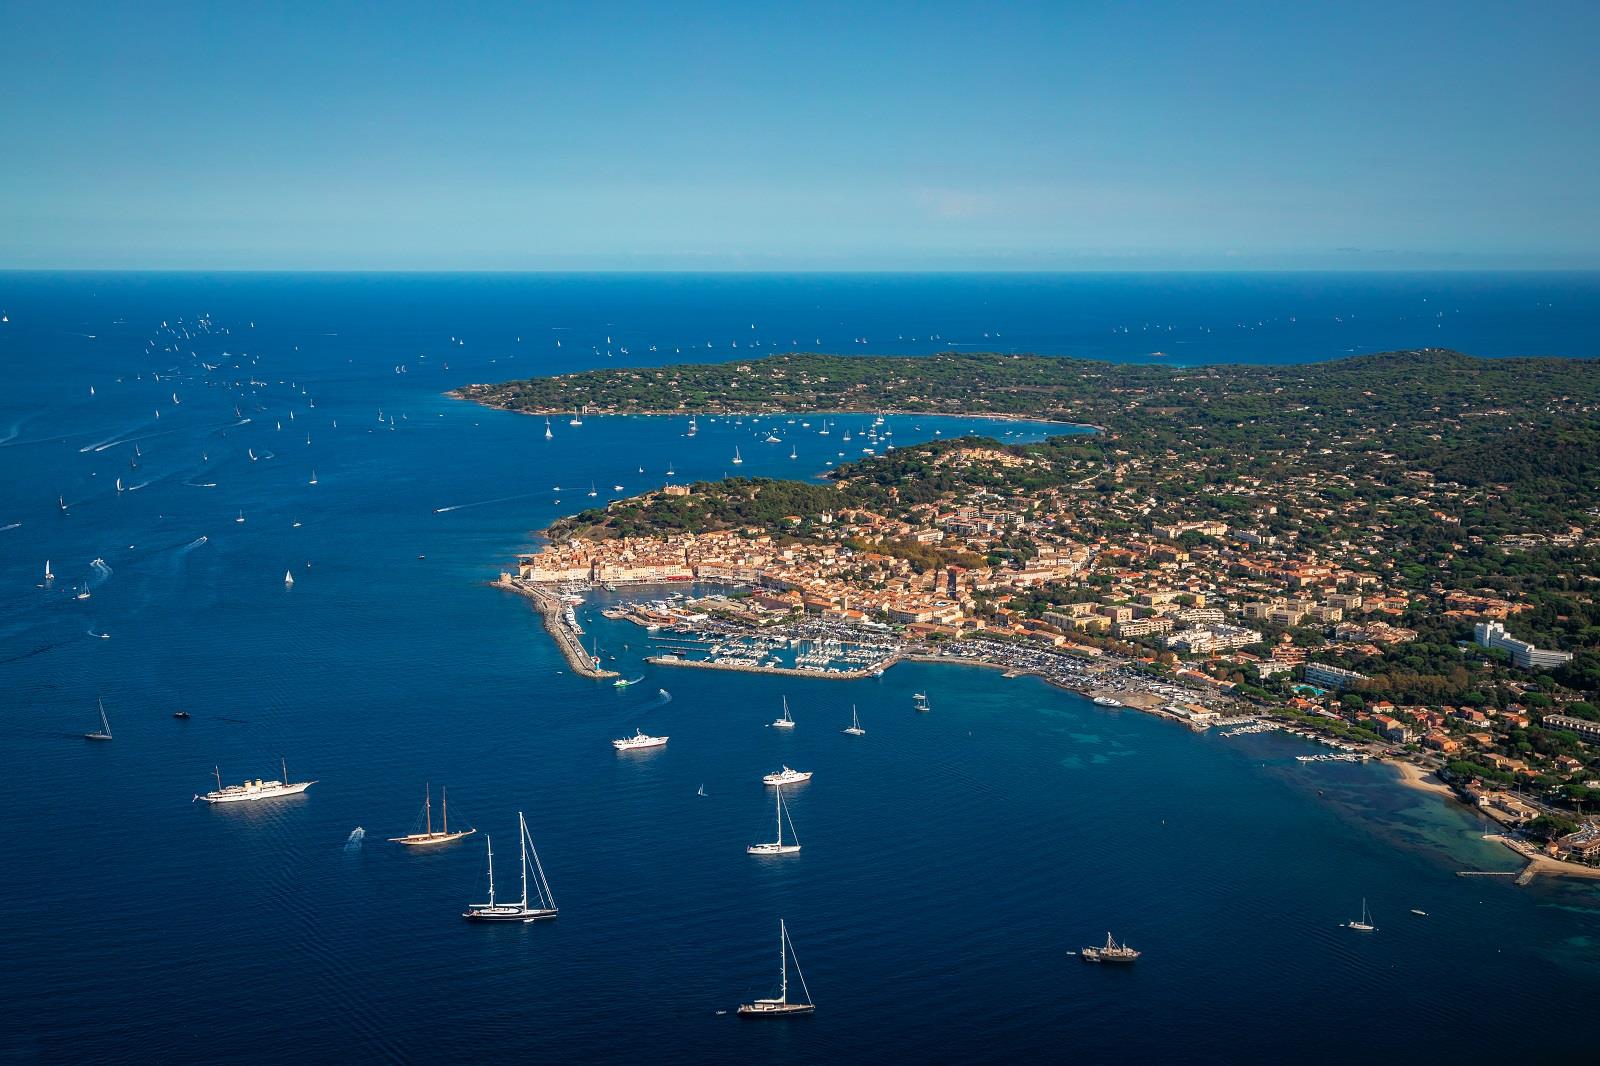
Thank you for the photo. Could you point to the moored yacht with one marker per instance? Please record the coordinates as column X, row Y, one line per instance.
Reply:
column 640, row 739
column 1112, row 952
column 778, row 847
column 104, row 732
column 781, row 1005
column 784, row 721
column 1365, row 924
column 854, row 728
column 428, row 836
column 786, row 776
column 521, row 910
column 257, row 789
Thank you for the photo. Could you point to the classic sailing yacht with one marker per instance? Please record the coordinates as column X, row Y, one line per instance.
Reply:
column 255, row 790
column 519, row 911
column 781, row 1005
column 428, row 836
column 854, row 728
column 1365, row 924
column 784, row 721
column 104, row 732
column 778, row 847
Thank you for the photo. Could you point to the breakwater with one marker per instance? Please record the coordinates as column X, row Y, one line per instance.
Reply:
column 549, row 608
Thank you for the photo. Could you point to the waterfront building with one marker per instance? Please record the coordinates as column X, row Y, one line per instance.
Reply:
column 1334, row 677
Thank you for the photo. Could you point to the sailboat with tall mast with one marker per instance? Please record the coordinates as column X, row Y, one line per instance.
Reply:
column 521, row 910
column 257, row 789
column 782, row 1005
column 778, row 847
column 104, row 732
column 854, row 729
column 1365, row 924
column 428, row 836
column 784, row 721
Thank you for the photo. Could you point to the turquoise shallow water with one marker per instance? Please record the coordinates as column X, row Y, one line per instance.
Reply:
column 950, row 859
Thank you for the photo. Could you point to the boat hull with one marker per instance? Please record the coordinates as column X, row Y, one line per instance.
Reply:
column 772, row 849
column 264, row 794
column 774, row 1010
column 508, row 914
column 420, row 840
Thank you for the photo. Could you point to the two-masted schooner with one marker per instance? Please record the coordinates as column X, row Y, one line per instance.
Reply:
column 428, row 836
column 520, row 911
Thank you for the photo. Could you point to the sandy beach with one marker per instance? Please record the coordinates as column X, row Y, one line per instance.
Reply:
column 1423, row 780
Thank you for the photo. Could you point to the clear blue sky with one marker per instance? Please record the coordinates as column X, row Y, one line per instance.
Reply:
column 799, row 136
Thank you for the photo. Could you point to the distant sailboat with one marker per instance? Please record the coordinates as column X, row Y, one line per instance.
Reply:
column 701, row 791
column 240, row 518
column 792, row 453
column 1365, row 924
column 784, row 721
column 313, row 480
column 736, row 459
column 854, row 729
column 693, row 428
column 48, row 575
column 547, row 434
column 428, row 836
column 781, row 1005
column 104, row 732
column 288, row 579
column 778, row 847
column 519, row 911
column 577, row 420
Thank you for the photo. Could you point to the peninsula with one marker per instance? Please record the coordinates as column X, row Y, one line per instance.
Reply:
column 1400, row 552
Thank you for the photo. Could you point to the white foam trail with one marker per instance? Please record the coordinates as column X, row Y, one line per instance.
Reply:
column 485, row 503
column 112, row 441
column 192, row 545
column 13, row 525
column 357, row 835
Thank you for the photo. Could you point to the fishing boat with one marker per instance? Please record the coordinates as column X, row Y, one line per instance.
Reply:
column 104, row 732
column 182, row 716
column 854, row 728
column 250, row 791
column 640, row 739
column 781, row 1006
column 1112, row 952
column 784, row 721
column 778, row 847
column 519, row 911
column 786, row 776
column 428, row 836
column 1364, row 925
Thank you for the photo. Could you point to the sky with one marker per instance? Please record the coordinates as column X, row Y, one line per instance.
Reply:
column 799, row 136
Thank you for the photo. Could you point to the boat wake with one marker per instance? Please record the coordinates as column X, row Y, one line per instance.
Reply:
column 14, row 525
column 353, row 844
column 663, row 697
column 485, row 503
column 192, row 545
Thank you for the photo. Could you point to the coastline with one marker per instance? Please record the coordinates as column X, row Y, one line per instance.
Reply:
column 997, row 416
column 1422, row 779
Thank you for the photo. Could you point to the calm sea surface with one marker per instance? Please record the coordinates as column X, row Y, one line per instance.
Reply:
column 950, row 860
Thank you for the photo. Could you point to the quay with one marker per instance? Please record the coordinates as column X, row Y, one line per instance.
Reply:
column 777, row 671
column 550, row 609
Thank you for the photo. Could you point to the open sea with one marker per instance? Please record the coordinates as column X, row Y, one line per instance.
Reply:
column 951, row 860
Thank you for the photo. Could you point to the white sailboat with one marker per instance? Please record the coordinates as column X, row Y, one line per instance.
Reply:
column 104, row 732
column 854, row 728
column 313, row 480
column 48, row 576
column 288, row 579
column 781, row 1005
column 1365, row 924
column 547, row 434
column 519, row 911
column 792, row 453
column 577, row 420
column 784, row 721
column 778, row 847
column 736, row 459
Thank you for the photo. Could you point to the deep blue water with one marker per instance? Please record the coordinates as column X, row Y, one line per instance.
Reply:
column 950, row 859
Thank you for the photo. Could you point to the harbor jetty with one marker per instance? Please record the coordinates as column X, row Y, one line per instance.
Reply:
column 778, row 671
column 555, row 623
